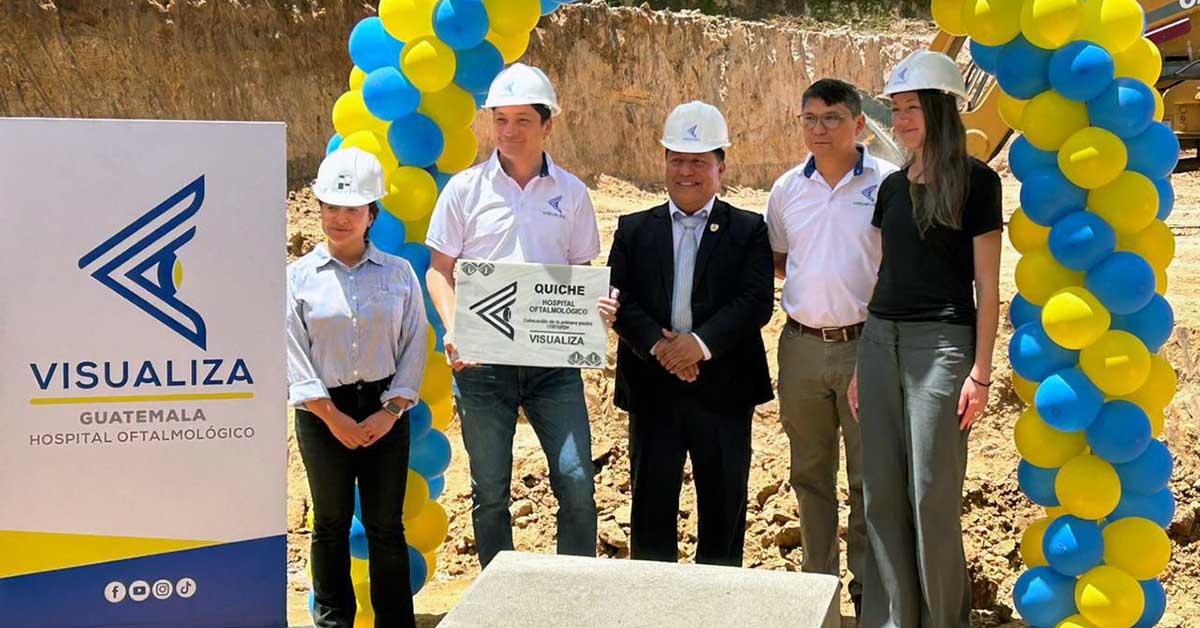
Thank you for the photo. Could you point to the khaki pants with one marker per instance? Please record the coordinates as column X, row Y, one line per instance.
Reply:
column 813, row 377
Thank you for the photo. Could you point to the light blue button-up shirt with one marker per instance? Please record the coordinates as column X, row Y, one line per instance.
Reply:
column 351, row 324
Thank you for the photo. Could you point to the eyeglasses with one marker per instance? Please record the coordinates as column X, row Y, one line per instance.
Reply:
column 830, row 121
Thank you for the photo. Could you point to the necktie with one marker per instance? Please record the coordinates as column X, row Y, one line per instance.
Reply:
column 685, row 264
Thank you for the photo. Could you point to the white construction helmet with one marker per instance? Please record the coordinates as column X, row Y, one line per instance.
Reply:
column 350, row 177
column 925, row 69
column 520, row 84
column 695, row 127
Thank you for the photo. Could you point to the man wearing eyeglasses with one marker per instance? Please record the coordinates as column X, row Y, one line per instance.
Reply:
column 827, row 253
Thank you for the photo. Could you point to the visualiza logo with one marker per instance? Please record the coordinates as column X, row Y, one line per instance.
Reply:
column 692, row 133
column 140, row 262
column 496, row 309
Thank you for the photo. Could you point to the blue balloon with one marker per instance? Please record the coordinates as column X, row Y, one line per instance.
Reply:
column 1148, row 473
column 335, row 143
column 1037, row 483
column 430, row 456
column 1151, row 324
column 416, row 140
column 984, row 56
column 1123, row 281
column 387, row 233
column 442, row 178
column 1156, row 604
column 462, row 24
column 480, row 99
column 1120, row 433
column 1047, row 196
column 1044, row 597
column 1125, row 107
column 1158, row 507
column 548, row 6
column 1068, row 401
column 1021, row 312
column 417, row 570
column 418, row 257
column 312, row 602
column 1153, row 152
column 1072, row 545
column 477, row 67
column 389, row 95
column 1081, row 70
column 1166, row 198
column 436, row 486
column 1081, row 240
column 371, row 47
column 1025, row 159
column 358, row 540
column 1034, row 356
column 1023, row 69
column 420, row 421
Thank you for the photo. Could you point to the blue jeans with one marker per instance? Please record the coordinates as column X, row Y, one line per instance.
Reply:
column 488, row 399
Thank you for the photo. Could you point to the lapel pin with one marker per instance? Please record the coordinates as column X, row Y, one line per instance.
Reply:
column 713, row 227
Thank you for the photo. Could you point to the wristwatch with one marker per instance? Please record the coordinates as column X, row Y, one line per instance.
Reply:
column 394, row 408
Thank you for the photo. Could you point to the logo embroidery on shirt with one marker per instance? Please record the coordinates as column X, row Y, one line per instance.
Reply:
column 692, row 133
column 869, row 192
column 554, row 205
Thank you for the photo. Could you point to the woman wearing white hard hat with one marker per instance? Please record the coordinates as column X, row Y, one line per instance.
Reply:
column 925, row 356
column 357, row 344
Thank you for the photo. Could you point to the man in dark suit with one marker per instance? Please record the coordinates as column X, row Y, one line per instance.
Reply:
column 696, row 285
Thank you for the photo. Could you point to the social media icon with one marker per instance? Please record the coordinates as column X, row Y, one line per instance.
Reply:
column 185, row 588
column 114, row 592
column 163, row 589
column 139, row 590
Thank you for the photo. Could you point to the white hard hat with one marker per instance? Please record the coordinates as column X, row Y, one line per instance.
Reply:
column 925, row 69
column 520, row 84
column 695, row 127
column 350, row 177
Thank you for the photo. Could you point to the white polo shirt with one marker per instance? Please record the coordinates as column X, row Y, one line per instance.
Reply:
column 483, row 214
column 833, row 252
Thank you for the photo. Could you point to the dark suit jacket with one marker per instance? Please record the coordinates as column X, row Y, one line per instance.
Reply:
column 733, row 295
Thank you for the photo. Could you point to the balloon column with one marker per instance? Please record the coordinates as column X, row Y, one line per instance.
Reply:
column 422, row 69
column 1078, row 83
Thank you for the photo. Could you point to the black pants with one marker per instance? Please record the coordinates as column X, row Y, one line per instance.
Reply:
column 663, row 432
column 381, row 471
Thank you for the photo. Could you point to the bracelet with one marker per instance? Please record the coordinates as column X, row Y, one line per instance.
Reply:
column 979, row 383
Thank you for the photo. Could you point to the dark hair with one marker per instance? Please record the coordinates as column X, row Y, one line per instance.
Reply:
column 945, row 163
column 719, row 152
column 543, row 111
column 834, row 92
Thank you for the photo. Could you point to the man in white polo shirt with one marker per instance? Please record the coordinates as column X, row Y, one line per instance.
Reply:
column 827, row 252
column 518, row 206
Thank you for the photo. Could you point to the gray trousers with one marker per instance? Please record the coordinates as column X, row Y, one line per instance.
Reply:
column 914, row 458
column 813, row 378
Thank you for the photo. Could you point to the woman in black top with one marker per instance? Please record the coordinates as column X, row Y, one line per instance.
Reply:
column 925, row 357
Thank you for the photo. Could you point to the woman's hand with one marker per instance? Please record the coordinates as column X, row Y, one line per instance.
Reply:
column 348, row 431
column 972, row 400
column 852, row 394
column 378, row 425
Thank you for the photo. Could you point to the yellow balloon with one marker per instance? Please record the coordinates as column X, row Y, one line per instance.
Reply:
column 443, row 412
column 412, row 193
column 1129, row 204
column 357, row 77
column 1043, row 445
column 992, row 22
column 1118, row 363
column 1157, row 421
column 1031, row 543
column 1155, row 244
column 1109, row 597
column 1039, row 276
column 360, row 570
column 430, row 340
column 1088, row 487
column 1050, row 24
column 511, row 47
column 1159, row 108
column 1054, row 512
column 374, row 143
column 431, row 564
column 1092, row 157
column 415, row 231
column 461, row 148
column 1141, row 61
column 1076, row 621
column 364, row 617
column 1137, row 546
column 1026, row 235
column 1024, row 388
column 350, row 114
column 1114, row 24
column 427, row 530
column 450, row 108
column 513, row 17
column 438, row 380
column 1158, row 391
column 1074, row 318
column 428, row 63
column 407, row 20
column 416, row 495
column 1049, row 119
column 1011, row 109
column 948, row 14
column 1160, row 281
